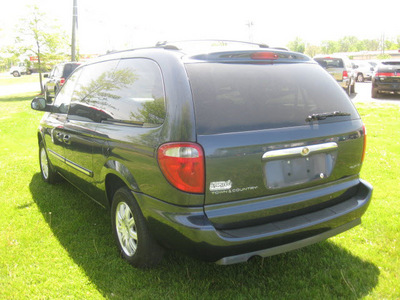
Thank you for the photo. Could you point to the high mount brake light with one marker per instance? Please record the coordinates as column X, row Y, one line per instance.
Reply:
column 264, row 56
column 183, row 166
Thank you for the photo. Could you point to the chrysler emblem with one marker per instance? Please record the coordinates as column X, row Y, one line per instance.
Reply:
column 305, row 151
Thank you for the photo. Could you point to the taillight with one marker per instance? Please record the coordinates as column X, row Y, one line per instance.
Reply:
column 264, row 55
column 345, row 75
column 365, row 143
column 62, row 81
column 384, row 74
column 183, row 166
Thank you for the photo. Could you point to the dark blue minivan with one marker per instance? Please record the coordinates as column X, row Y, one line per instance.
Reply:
column 225, row 153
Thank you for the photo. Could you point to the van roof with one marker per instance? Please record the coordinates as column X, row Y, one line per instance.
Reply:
column 221, row 51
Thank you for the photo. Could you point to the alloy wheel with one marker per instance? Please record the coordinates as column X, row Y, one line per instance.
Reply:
column 44, row 163
column 126, row 229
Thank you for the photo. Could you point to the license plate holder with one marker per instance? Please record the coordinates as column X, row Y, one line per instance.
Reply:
column 286, row 172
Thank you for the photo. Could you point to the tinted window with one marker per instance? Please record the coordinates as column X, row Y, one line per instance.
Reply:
column 141, row 100
column 240, row 97
column 68, row 68
column 62, row 101
column 129, row 91
column 330, row 62
column 95, row 86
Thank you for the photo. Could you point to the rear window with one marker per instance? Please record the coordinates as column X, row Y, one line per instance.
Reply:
column 391, row 63
column 243, row 97
column 330, row 62
column 68, row 68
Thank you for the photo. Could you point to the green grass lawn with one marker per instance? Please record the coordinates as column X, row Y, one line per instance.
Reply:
column 55, row 243
column 18, row 80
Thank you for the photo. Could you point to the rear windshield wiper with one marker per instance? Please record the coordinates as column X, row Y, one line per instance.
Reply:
column 323, row 116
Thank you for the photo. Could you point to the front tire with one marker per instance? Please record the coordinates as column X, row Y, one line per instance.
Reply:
column 47, row 171
column 131, row 233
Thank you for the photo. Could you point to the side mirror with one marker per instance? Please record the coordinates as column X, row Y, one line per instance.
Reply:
column 39, row 104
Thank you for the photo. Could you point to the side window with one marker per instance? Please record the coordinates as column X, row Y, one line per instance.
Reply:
column 141, row 99
column 95, row 87
column 58, row 71
column 62, row 101
column 54, row 71
column 128, row 92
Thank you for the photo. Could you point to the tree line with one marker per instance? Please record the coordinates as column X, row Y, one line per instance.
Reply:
column 345, row 44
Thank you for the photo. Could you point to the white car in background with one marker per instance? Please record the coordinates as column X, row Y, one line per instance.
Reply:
column 363, row 70
column 19, row 70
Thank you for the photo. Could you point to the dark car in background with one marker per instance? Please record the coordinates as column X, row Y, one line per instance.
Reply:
column 225, row 154
column 341, row 69
column 57, row 77
column 386, row 79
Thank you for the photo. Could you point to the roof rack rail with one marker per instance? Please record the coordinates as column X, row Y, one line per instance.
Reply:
column 174, row 45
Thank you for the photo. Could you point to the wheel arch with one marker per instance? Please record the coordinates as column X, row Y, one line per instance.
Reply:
column 112, row 184
column 116, row 175
column 40, row 138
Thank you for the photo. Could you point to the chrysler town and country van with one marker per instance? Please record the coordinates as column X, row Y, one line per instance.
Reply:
column 224, row 154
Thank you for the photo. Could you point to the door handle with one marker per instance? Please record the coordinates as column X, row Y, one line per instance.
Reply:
column 67, row 139
column 59, row 137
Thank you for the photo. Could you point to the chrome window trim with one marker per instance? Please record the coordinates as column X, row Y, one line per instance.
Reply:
column 71, row 163
column 303, row 151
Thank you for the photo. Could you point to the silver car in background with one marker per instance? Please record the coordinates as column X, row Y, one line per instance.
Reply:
column 341, row 69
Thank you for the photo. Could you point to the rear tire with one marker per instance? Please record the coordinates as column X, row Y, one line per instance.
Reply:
column 374, row 93
column 131, row 233
column 348, row 90
column 353, row 88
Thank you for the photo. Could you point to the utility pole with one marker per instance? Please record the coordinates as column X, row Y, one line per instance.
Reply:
column 383, row 43
column 74, row 27
column 250, row 25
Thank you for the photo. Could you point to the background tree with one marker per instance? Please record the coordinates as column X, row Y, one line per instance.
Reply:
column 312, row 50
column 38, row 36
column 348, row 44
column 297, row 45
column 345, row 44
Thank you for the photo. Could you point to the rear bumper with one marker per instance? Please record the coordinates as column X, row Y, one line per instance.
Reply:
column 386, row 87
column 289, row 246
column 189, row 230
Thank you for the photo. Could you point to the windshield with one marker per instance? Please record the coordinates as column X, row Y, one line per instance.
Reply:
column 242, row 97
